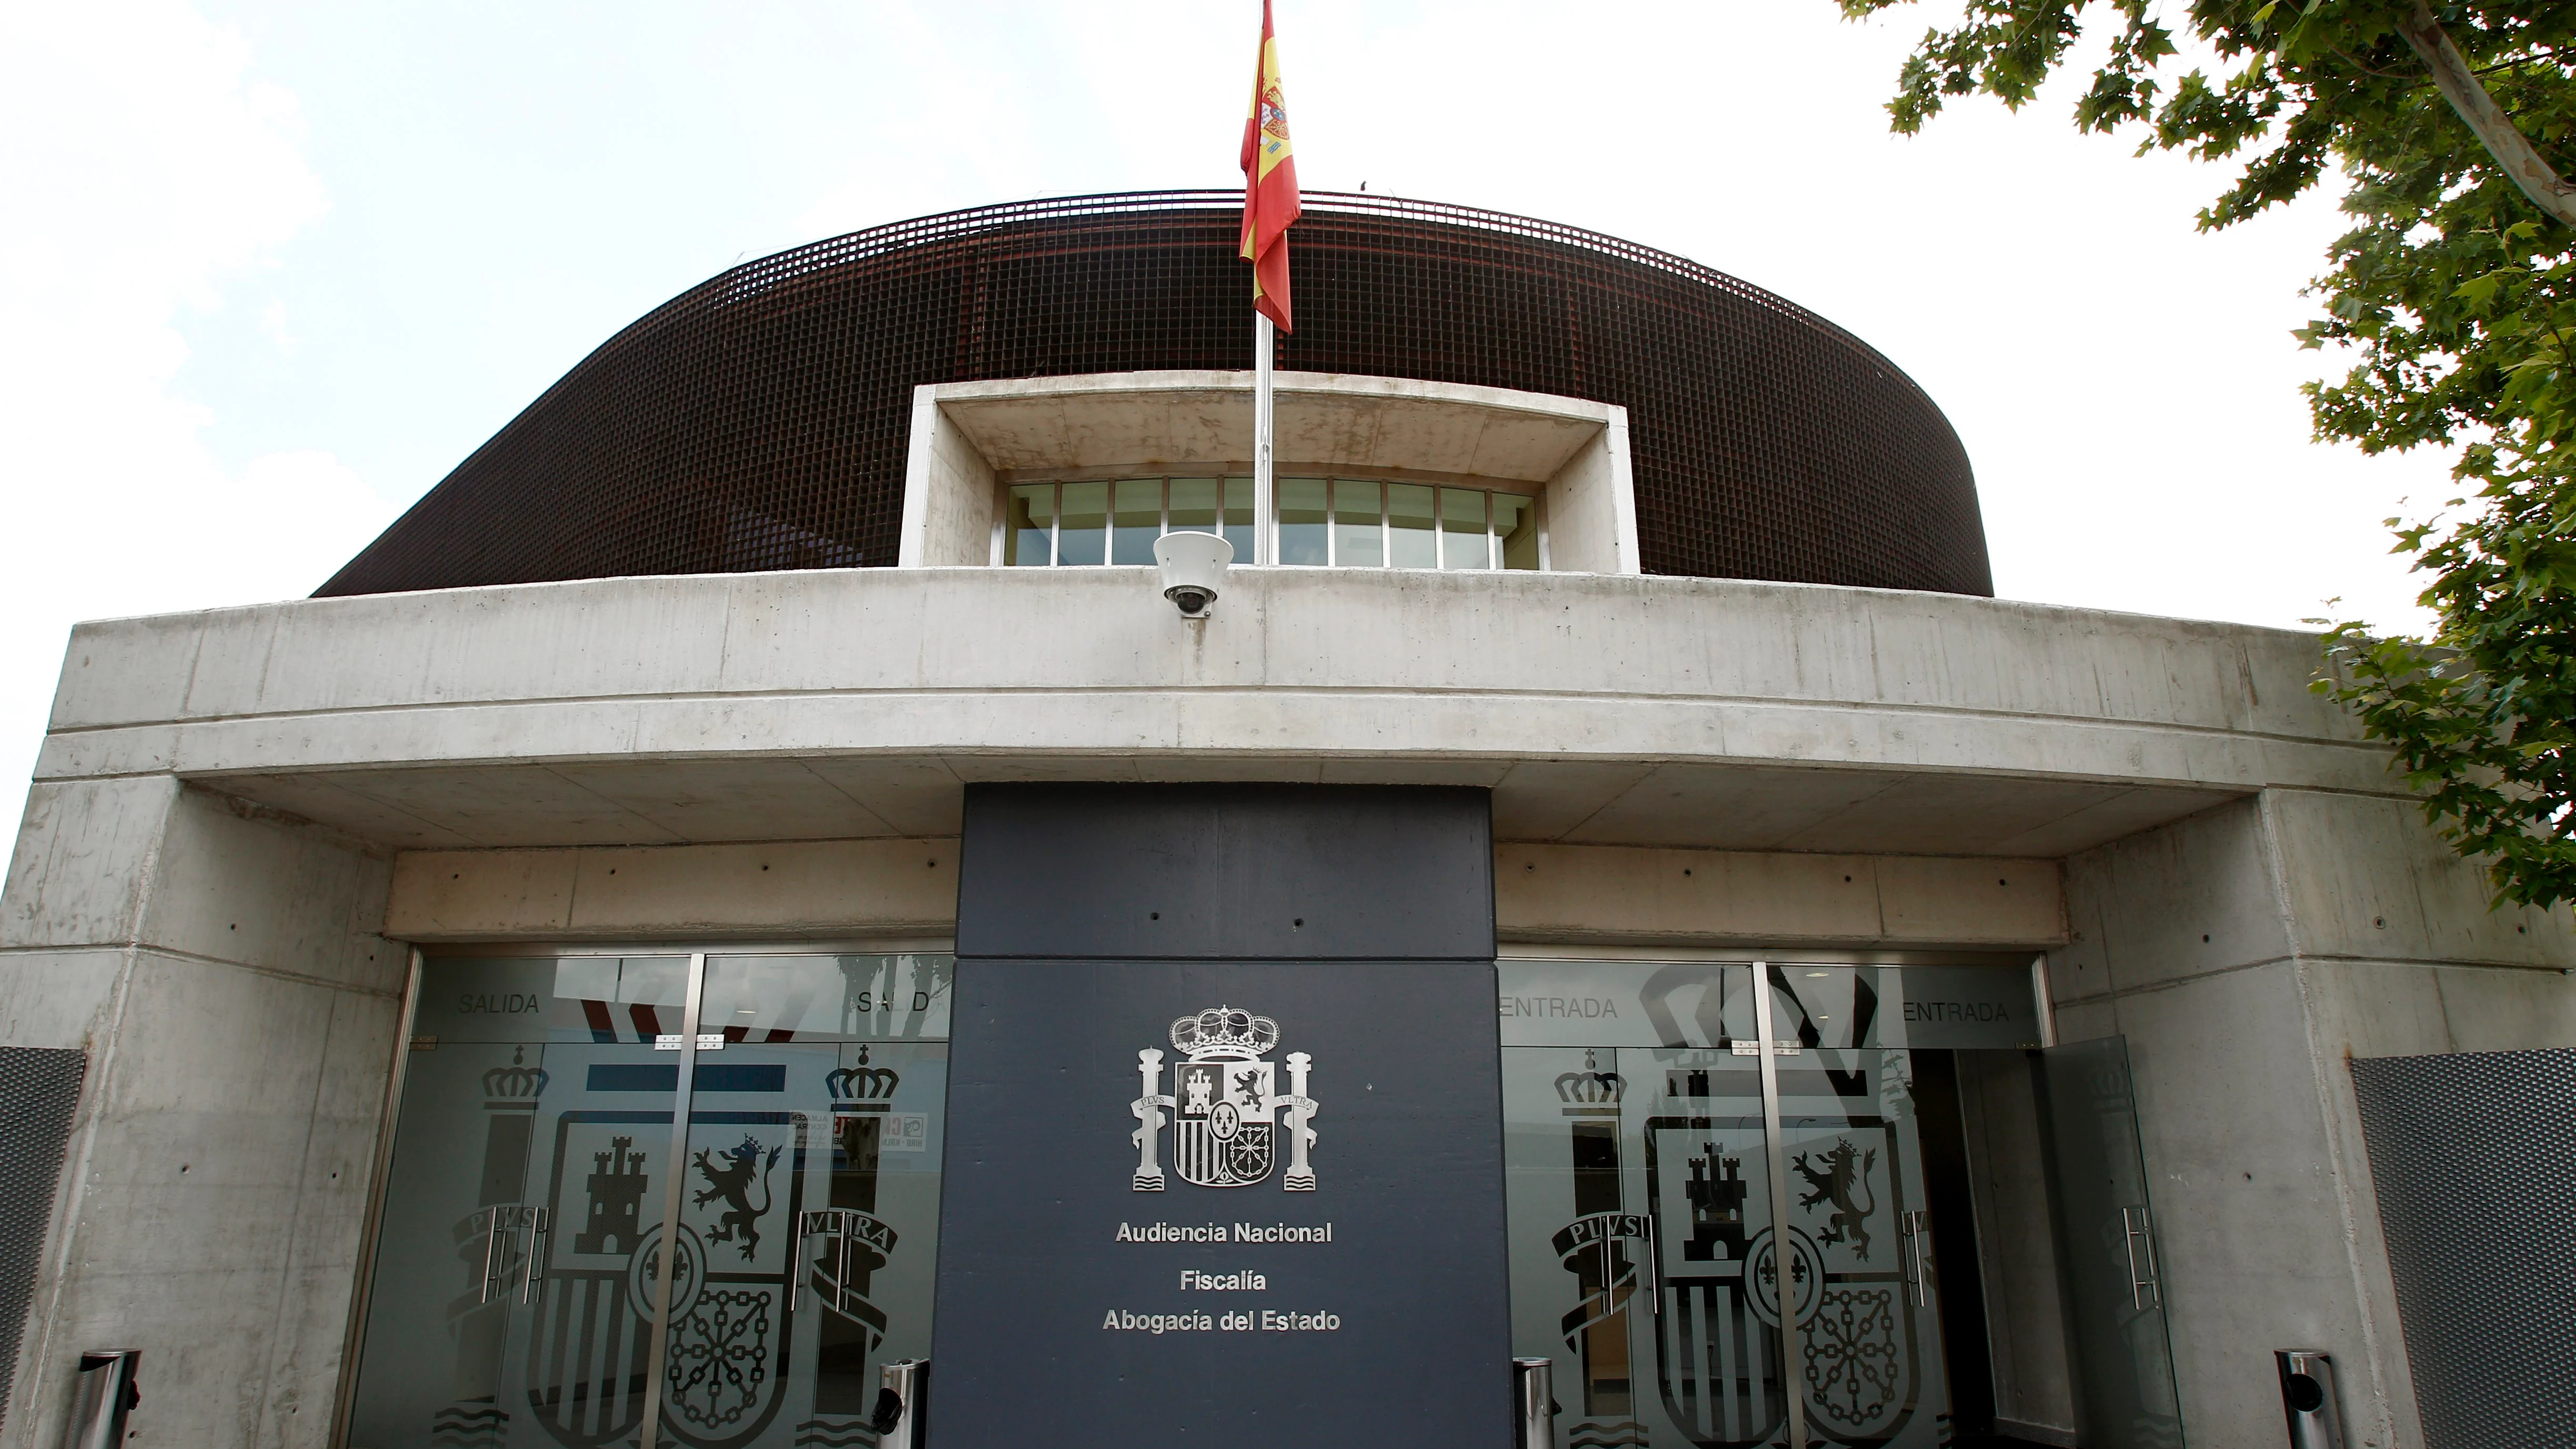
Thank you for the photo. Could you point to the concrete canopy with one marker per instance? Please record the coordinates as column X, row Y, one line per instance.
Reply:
column 1601, row 710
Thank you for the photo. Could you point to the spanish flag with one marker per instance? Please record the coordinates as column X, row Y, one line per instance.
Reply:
column 1270, row 184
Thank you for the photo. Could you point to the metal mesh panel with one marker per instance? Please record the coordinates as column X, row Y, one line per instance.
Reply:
column 39, row 1090
column 2474, row 1156
column 759, row 420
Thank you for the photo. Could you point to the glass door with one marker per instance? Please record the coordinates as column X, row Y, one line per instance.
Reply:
column 1644, row 1261
column 1869, row 1318
column 2115, row 1305
column 813, row 1165
column 1714, row 1314
column 500, row 1300
column 1684, row 1222
column 536, row 1206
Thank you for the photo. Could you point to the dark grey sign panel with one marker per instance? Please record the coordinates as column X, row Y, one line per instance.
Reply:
column 1224, row 1159
column 1137, row 1247
column 1243, row 872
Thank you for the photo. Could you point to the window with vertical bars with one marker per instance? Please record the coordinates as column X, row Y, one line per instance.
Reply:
column 1351, row 523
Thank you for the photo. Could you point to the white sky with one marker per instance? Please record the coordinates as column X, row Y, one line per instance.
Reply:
column 269, row 269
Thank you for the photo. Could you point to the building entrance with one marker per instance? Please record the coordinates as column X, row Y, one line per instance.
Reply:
column 1690, row 1213
column 684, row 1199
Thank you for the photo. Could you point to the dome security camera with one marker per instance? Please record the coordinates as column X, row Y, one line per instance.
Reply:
column 1191, row 566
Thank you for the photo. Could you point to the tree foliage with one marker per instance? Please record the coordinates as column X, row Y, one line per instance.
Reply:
column 2456, row 295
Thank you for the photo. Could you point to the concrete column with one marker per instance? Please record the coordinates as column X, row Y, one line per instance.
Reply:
column 218, row 964
column 2247, row 953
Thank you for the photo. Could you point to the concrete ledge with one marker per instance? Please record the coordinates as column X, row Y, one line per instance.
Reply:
column 1603, row 710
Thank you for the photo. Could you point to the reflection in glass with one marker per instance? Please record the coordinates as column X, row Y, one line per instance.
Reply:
column 765, row 999
column 1081, row 536
column 1463, row 544
column 1028, row 534
column 1645, row 1260
column 1411, row 544
column 1516, row 530
column 1848, row 1133
column 1642, row 1256
column 1238, row 517
column 1194, row 505
column 1301, row 521
column 1139, row 521
column 1357, row 540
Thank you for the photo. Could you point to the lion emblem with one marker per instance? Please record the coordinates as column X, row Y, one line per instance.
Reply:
column 740, row 1221
column 1846, row 1170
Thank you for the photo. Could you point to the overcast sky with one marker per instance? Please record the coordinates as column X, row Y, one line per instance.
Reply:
column 269, row 270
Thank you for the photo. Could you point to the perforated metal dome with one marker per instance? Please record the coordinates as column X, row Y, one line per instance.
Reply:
column 759, row 420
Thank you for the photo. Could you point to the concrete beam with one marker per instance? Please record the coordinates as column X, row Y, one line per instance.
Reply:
column 775, row 890
column 1594, row 893
column 789, row 889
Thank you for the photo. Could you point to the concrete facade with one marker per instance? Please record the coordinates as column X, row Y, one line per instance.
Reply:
column 2248, row 954
column 242, row 818
column 221, row 966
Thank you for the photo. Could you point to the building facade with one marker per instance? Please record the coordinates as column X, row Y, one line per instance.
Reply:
column 751, row 881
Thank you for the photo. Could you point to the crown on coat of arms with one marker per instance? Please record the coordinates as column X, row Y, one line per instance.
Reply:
column 862, row 1082
column 1225, row 1031
column 1591, row 1086
column 515, row 1080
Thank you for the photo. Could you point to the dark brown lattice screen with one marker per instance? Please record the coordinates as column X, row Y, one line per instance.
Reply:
column 759, row 420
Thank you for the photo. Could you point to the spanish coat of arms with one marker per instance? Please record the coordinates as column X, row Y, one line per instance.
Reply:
column 1226, row 1110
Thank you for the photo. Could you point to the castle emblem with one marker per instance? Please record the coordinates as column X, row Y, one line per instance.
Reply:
column 1226, row 1109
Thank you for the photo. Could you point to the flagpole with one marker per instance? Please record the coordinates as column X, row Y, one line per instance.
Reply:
column 1264, row 544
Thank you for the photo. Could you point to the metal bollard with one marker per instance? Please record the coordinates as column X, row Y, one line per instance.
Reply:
column 102, row 1396
column 903, row 1404
column 1534, row 1391
column 2308, row 1400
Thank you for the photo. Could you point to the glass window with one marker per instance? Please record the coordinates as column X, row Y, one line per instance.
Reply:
column 1081, row 535
column 1301, row 521
column 1028, row 537
column 531, row 1169
column 1194, row 505
column 779, row 999
column 1645, row 1259
column 1238, row 517
column 1139, row 521
column 1358, row 540
column 1344, row 522
column 1411, row 544
column 1463, row 544
column 1516, row 530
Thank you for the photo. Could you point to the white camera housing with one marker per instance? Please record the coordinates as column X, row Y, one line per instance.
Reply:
column 1192, row 566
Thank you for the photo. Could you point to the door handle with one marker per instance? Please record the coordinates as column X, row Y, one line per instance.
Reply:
column 540, row 1226
column 2134, row 1230
column 1916, row 1226
column 496, row 1249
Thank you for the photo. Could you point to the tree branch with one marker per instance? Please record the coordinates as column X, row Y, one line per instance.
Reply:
column 2522, row 164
